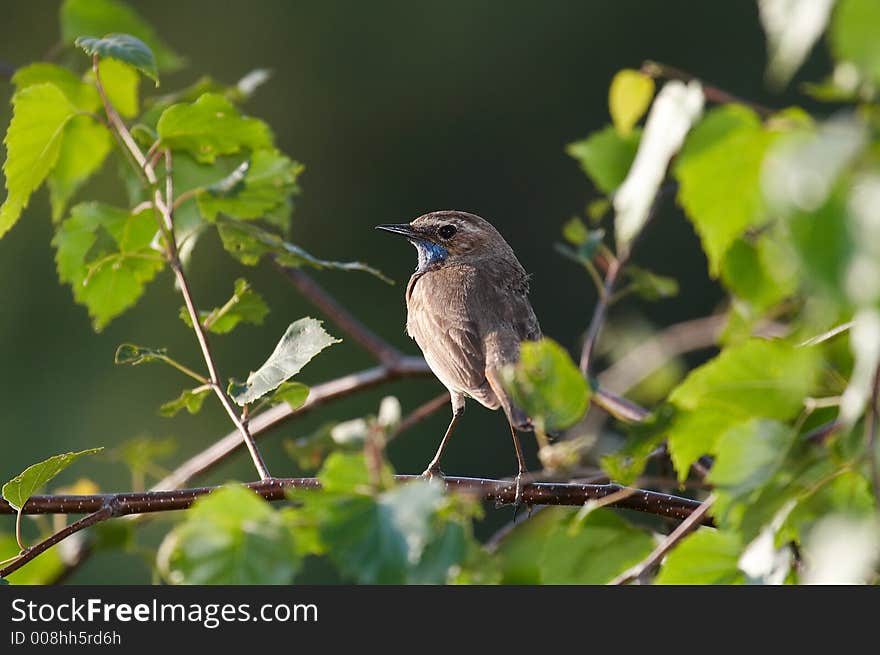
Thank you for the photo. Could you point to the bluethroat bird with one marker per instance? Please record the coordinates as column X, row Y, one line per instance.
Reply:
column 468, row 310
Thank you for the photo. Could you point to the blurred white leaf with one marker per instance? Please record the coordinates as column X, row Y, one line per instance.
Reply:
column 792, row 28
column 351, row 431
column 676, row 108
column 800, row 171
column 389, row 412
column 841, row 550
column 864, row 340
column 761, row 561
column 863, row 276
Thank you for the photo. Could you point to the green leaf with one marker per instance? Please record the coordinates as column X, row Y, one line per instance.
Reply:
column 231, row 537
column 853, row 35
column 140, row 454
column 245, row 306
column 128, row 353
column 295, row 394
column 211, row 126
column 99, row 17
column 718, row 172
column 651, row 286
column 761, row 273
column 757, row 378
column 303, row 340
column 248, row 243
column 82, row 95
column 629, row 98
column 748, row 455
column 84, row 147
column 104, row 254
column 121, row 83
column 345, row 473
column 575, row 232
column 383, row 540
column 189, row 399
column 606, row 156
column 547, row 385
column 593, row 550
column 33, row 143
column 705, row 557
column 254, row 188
column 25, row 484
column 122, row 47
column 42, row 570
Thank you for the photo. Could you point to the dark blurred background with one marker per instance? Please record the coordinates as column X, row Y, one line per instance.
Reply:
column 396, row 108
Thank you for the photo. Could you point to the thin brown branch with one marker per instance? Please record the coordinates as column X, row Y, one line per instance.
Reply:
column 712, row 93
column 264, row 421
column 334, row 310
column 164, row 207
column 683, row 529
column 599, row 314
column 101, row 507
column 871, row 421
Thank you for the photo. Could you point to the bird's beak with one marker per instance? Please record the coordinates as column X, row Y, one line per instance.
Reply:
column 404, row 229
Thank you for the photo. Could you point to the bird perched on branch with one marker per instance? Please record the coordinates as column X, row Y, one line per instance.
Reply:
column 468, row 310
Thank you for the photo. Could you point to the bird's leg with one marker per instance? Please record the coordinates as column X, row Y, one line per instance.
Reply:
column 434, row 467
column 521, row 463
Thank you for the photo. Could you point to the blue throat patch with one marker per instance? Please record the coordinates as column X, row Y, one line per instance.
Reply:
column 429, row 253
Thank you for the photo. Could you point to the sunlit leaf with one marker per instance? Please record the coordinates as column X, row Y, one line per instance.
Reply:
column 121, row 83
column 547, row 385
column 303, row 340
column 719, row 178
column 211, row 126
column 853, row 35
column 652, row 286
column 28, row 482
column 105, row 254
column 82, row 95
column 629, row 98
column 33, row 143
column 705, row 557
column 606, row 156
column 42, row 570
column 84, row 147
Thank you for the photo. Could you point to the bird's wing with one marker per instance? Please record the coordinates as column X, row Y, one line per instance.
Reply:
column 438, row 320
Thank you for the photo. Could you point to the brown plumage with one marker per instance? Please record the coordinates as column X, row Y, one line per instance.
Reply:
column 468, row 310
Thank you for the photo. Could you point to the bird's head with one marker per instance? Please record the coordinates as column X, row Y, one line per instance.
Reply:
column 448, row 237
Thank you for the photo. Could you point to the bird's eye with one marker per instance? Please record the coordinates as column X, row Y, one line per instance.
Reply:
column 446, row 231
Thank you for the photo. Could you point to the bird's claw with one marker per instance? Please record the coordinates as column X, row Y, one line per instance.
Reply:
column 433, row 472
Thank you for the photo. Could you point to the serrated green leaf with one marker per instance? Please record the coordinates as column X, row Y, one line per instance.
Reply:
column 853, row 35
column 122, row 47
column 25, row 484
column 248, row 243
column 99, row 17
column 84, row 147
column 189, row 399
column 547, row 385
column 345, row 473
column 761, row 273
column 629, row 98
column 211, row 126
column 718, row 172
column 104, row 254
column 33, row 143
column 606, row 156
column 231, row 537
column 82, row 95
column 303, row 340
column 254, row 188
column 705, row 557
column 757, row 378
column 245, row 306
column 591, row 551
